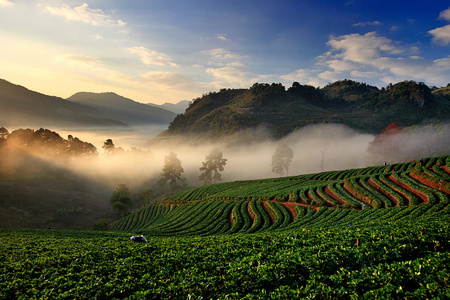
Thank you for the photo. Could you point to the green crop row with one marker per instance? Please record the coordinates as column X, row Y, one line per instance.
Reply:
column 402, row 253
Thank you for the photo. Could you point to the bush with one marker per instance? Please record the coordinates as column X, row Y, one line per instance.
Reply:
column 101, row 225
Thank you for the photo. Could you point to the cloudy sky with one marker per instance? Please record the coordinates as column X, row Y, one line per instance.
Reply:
column 171, row 50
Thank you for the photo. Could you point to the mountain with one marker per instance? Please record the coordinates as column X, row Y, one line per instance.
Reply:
column 281, row 111
column 177, row 108
column 123, row 109
column 22, row 107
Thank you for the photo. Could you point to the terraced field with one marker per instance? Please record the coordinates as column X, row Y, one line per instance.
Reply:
column 312, row 200
column 372, row 233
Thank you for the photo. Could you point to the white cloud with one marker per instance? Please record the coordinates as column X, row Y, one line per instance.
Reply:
column 151, row 57
column 340, row 65
column 359, row 57
column 330, row 76
column 84, row 14
column 442, row 63
column 168, row 78
column 6, row 3
column 368, row 74
column 80, row 59
column 97, row 37
column 222, row 37
column 367, row 23
column 441, row 34
column 222, row 54
column 230, row 77
column 445, row 15
column 300, row 75
column 362, row 48
column 224, row 58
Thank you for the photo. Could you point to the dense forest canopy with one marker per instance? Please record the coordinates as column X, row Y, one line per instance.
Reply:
column 357, row 105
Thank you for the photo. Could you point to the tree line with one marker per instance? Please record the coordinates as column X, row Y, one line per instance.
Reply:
column 50, row 143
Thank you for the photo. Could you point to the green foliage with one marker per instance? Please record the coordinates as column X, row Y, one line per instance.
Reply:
column 101, row 225
column 121, row 200
column 171, row 171
column 405, row 259
column 282, row 159
column 355, row 104
column 212, row 167
column 48, row 142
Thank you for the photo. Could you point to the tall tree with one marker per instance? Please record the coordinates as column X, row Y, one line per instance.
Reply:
column 282, row 159
column 121, row 200
column 76, row 147
column 172, row 170
column 111, row 149
column 212, row 167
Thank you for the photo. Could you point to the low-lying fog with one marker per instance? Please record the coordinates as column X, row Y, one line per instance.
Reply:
column 316, row 148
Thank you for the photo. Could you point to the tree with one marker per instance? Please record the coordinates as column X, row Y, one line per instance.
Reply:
column 212, row 166
column 111, row 149
column 172, row 170
column 109, row 146
column 120, row 199
column 282, row 158
column 4, row 133
column 144, row 197
column 387, row 146
column 76, row 147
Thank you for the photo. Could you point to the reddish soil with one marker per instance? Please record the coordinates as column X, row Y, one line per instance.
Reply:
column 290, row 206
column 429, row 183
column 251, row 213
column 269, row 211
column 327, row 203
column 231, row 217
column 362, row 199
column 446, row 169
column 405, row 196
column 417, row 193
column 334, row 196
column 383, row 192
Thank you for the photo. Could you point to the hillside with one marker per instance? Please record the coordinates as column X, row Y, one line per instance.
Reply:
column 123, row 109
column 281, row 111
column 238, row 241
column 22, row 107
column 269, row 204
column 177, row 108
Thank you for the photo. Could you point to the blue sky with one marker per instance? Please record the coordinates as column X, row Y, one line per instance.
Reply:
column 171, row 50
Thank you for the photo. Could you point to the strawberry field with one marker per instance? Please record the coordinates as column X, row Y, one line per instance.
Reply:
column 261, row 205
column 392, row 253
column 378, row 232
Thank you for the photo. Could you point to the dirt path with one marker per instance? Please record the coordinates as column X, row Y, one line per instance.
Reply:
column 269, row 211
column 335, row 197
column 429, row 183
column 417, row 193
column 382, row 191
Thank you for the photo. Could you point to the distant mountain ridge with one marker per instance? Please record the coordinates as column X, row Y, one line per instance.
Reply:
column 123, row 109
column 281, row 111
column 21, row 107
column 177, row 108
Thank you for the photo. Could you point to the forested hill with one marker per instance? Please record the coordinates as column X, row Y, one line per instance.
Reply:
column 282, row 110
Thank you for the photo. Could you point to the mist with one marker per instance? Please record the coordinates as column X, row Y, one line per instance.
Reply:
column 316, row 148
column 249, row 156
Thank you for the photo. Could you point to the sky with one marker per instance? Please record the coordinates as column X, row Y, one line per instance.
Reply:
column 157, row 51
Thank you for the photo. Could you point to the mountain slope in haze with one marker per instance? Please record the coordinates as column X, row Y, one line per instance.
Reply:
column 357, row 105
column 123, row 109
column 23, row 107
column 177, row 108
